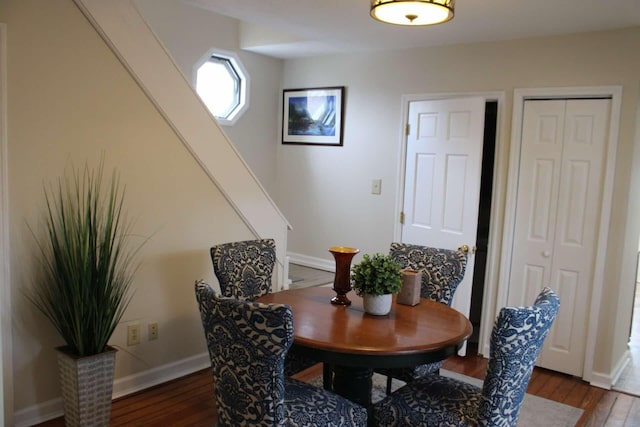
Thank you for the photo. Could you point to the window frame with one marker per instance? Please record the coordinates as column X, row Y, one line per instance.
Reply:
column 237, row 68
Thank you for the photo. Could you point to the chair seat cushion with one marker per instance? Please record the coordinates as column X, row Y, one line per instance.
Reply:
column 307, row 405
column 409, row 374
column 431, row 401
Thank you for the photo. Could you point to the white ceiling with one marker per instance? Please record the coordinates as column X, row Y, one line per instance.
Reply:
column 339, row 26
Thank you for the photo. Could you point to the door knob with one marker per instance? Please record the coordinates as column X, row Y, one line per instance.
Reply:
column 546, row 254
column 466, row 249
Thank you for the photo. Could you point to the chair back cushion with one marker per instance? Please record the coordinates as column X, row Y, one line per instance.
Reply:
column 244, row 268
column 442, row 269
column 516, row 341
column 247, row 343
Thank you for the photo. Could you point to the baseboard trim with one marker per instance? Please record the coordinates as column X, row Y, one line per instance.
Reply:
column 37, row 414
column 606, row 381
column 121, row 387
column 307, row 261
column 598, row 379
column 161, row 374
column 622, row 363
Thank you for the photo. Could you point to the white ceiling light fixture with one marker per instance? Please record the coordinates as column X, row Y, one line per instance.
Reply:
column 412, row 12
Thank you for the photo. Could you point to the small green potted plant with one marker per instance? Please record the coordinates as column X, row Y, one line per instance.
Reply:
column 376, row 278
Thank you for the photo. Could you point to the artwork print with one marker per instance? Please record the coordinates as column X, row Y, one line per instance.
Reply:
column 313, row 116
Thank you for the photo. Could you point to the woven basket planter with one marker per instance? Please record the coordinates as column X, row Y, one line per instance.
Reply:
column 87, row 386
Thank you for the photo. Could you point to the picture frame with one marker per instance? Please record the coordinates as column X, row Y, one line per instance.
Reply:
column 313, row 116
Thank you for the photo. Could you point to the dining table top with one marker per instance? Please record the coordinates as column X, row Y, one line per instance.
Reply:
column 426, row 327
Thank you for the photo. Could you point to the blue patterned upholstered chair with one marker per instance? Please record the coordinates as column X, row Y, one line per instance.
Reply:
column 244, row 271
column 434, row 400
column 247, row 344
column 442, row 271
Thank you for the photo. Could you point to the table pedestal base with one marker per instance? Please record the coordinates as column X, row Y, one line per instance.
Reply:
column 353, row 383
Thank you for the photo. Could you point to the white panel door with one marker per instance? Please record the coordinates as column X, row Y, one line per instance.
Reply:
column 442, row 179
column 557, row 217
column 537, row 199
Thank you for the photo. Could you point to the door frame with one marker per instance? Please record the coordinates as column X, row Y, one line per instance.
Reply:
column 499, row 184
column 519, row 98
column 6, row 357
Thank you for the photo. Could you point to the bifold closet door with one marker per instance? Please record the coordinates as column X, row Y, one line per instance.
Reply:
column 557, row 217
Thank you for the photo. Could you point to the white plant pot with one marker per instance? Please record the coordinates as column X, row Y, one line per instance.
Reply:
column 378, row 305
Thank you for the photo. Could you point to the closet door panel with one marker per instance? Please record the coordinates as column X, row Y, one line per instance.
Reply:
column 575, row 243
column 537, row 198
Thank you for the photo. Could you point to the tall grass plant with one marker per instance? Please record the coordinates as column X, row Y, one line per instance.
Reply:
column 88, row 264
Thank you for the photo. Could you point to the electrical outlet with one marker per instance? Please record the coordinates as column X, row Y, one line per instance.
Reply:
column 153, row 331
column 133, row 334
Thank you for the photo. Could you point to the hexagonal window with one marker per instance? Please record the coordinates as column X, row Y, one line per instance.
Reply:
column 221, row 82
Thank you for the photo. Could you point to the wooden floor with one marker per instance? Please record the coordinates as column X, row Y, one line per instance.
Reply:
column 188, row 401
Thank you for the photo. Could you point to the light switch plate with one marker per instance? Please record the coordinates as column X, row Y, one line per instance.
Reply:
column 376, row 186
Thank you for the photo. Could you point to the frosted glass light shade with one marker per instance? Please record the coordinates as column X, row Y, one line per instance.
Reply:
column 412, row 12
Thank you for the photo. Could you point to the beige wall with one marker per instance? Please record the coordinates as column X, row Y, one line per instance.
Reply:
column 325, row 191
column 189, row 33
column 71, row 101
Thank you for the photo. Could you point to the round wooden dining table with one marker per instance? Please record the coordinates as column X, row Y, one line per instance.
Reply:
column 354, row 343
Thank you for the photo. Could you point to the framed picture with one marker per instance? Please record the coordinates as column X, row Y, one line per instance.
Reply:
column 313, row 116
